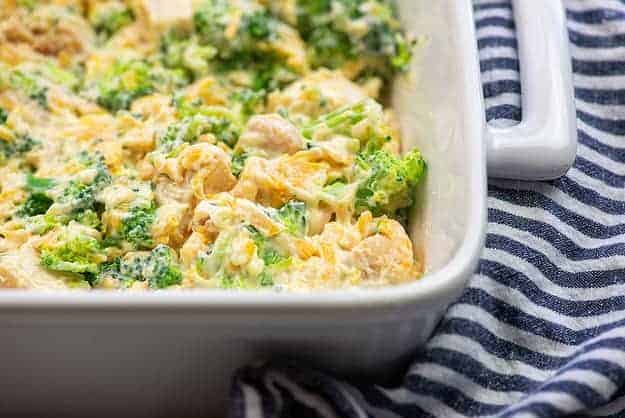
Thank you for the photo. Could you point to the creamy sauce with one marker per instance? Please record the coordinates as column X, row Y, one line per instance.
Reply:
column 238, row 145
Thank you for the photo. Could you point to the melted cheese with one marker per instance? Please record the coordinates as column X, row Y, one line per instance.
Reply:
column 106, row 165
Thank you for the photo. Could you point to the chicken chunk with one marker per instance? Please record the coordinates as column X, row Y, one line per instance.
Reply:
column 386, row 256
column 270, row 136
column 205, row 167
column 21, row 269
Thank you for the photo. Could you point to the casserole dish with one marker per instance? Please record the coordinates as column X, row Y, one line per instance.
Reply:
column 70, row 354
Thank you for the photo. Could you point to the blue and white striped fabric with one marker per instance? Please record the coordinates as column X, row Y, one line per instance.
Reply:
column 540, row 330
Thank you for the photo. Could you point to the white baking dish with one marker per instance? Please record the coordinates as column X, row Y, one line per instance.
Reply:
column 172, row 353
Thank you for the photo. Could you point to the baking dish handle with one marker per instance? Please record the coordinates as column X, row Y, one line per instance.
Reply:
column 543, row 145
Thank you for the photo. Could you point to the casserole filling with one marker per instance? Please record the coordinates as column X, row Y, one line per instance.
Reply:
column 223, row 144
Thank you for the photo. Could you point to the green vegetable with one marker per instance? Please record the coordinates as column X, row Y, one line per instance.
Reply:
column 109, row 20
column 89, row 218
column 36, row 204
column 224, row 124
column 16, row 148
column 364, row 121
column 78, row 199
column 327, row 28
column 126, row 270
column 266, row 250
column 81, row 197
column 258, row 25
column 4, row 115
column 158, row 267
column 210, row 21
column 57, row 75
column 250, row 100
column 238, row 163
column 182, row 51
column 123, row 83
column 28, row 4
column 270, row 74
column 330, row 48
column 38, row 184
column 214, row 263
column 136, row 226
column 73, row 254
column 110, row 269
column 169, row 80
column 265, row 279
column 247, row 49
column 187, row 130
column 40, row 224
column 30, row 86
column 293, row 216
column 388, row 182
column 336, row 189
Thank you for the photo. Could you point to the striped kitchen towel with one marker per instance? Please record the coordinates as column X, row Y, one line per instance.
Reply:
column 540, row 330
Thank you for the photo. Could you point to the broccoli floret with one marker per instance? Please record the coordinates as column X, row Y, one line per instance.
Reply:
column 271, row 74
column 249, row 100
column 30, row 86
column 213, row 263
column 387, row 43
column 73, row 254
column 58, row 75
column 340, row 121
column 182, row 51
column 272, row 257
column 127, row 269
column 173, row 45
column 364, row 121
column 79, row 197
column 89, row 218
column 388, row 182
column 169, row 80
column 265, row 279
column 160, row 268
column 35, row 204
column 238, row 163
column 188, row 130
column 223, row 124
column 326, row 26
column 76, row 201
column 330, row 48
column 248, row 49
column 136, row 226
column 16, row 148
column 123, row 83
column 40, row 224
column 293, row 216
column 210, row 21
column 110, row 269
column 107, row 20
column 4, row 115
column 266, row 251
column 258, row 25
